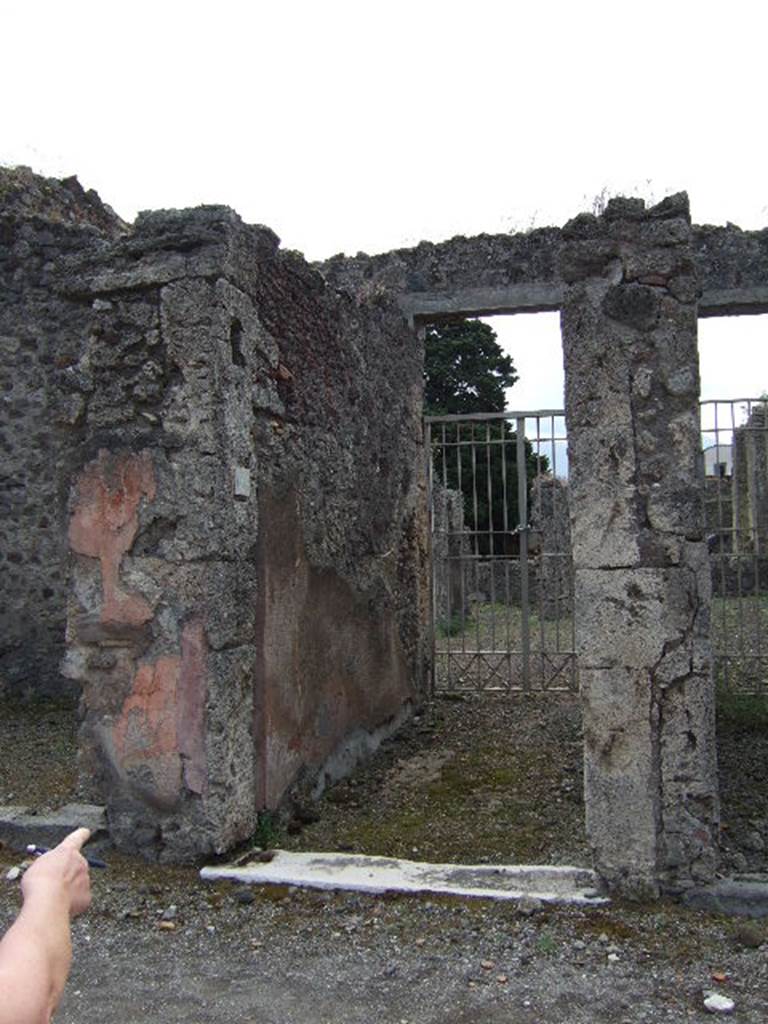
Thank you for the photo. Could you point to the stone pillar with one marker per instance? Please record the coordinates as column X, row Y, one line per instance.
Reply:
column 448, row 548
column 750, row 483
column 550, row 518
column 247, row 530
column 161, row 613
column 642, row 586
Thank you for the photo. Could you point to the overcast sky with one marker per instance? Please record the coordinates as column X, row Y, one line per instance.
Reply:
column 350, row 126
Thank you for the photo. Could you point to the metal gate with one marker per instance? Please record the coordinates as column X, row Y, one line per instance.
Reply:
column 502, row 574
column 501, row 563
column 735, row 469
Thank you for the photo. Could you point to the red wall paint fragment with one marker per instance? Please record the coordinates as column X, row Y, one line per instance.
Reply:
column 145, row 733
column 191, row 706
column 105, row 522
column 161, row 725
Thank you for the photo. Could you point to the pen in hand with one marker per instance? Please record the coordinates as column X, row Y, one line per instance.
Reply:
column 38, row 851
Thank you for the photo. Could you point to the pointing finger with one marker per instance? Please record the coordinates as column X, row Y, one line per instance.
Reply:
column 77, row 839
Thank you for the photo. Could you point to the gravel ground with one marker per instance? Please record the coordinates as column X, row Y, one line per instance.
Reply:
column 467, row 781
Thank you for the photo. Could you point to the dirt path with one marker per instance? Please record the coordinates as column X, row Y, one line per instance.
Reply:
column 224, row 953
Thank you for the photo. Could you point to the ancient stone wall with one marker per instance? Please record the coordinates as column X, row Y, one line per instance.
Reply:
column 246, row 523
column 451, row 582
column 248, row 529
column 42, row 221
column 550, row 518
column 521, row 273
column 749, row 481
column 642, row 578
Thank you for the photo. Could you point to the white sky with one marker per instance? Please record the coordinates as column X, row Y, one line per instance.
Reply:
column 366, row 125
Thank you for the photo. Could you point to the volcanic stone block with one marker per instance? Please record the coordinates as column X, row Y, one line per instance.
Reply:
column 642, row 582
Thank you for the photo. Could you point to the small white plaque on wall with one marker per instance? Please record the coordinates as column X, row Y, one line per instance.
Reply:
column 242, row 482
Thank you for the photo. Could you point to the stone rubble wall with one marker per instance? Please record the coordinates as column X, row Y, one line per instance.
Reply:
column 749, row 496
column 550, row 519
column 246, row 524
column 451, row 587
column 42, row 221
column 642, row 575
column 521, row 272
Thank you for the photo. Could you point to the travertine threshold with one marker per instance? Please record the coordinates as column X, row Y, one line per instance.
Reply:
column 362, row 873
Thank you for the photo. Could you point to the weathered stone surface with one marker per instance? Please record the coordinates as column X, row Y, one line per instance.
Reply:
column 550, row 519
column 488, row 273
column 642, row 579
column 749, row 482
column 42, row 222
column 725, row 267
column 247, row 521
column 449, row 545
column 19, row 827
column 730, row 896
column 229, row 638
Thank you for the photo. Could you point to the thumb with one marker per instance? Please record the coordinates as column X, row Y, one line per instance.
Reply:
column 77, row 839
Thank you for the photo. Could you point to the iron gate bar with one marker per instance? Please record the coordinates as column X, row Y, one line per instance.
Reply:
column 491, row 629
column 522, row 518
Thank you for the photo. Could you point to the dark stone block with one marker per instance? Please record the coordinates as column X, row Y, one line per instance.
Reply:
column 731, row 897
column 635, row 305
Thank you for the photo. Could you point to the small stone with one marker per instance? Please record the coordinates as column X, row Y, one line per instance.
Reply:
column 613, row 958
column 12, row 874
column 420, row 941
column 167, row 926
column 502, row 979
column 528, row 905
column 754, row 842
column 170, row 913
column 716, row 1003
column 603, row 937
column 749, row 934
column 487, row 965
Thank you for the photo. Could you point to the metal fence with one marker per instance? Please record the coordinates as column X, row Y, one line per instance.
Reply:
column 502, row 578
column 501, row 553
column 735, row 469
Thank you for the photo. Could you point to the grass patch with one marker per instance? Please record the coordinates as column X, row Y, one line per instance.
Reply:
column 268, row 833
column 454, row 626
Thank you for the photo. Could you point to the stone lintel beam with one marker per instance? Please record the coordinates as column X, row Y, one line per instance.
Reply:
column 429, row 307
column 749, row 301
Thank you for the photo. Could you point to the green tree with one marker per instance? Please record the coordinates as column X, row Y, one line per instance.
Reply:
column 466, row 371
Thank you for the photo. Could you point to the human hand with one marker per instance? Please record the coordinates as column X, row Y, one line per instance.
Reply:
column 61, row 874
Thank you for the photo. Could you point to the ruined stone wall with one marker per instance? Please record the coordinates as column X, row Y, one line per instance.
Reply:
column 452, row 581
column 550, row 518
column 642, row 577
column 749, row 495
column 518, row 273
column 41, row 338
column 246, row 527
